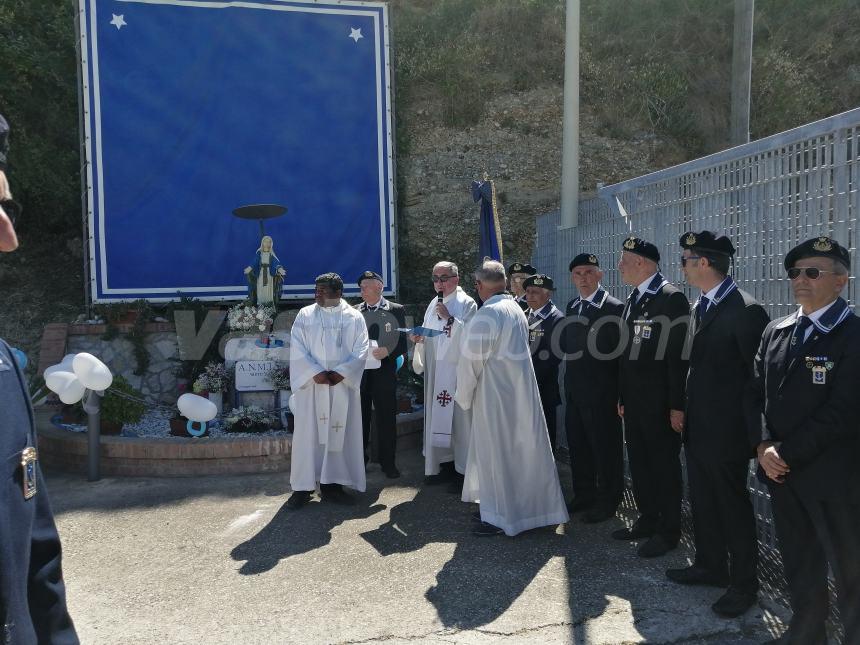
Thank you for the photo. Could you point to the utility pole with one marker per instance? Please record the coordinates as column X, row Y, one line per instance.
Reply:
column 742, row 71
column 570, row 118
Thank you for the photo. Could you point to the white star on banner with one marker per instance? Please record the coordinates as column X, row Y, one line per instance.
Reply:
column 118, row 21
column 355, row 34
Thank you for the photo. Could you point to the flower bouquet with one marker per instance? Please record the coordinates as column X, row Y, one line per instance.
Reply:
column 250, row 318
column 248, row 419
column 280, row 377
column 214, row 379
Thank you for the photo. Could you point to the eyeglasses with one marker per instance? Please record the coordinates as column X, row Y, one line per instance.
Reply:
column 12, row 209
column 684, row 260
column 813, row 273
column 443, row 278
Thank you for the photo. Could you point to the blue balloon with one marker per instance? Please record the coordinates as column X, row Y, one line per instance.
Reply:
column 20, row 357
column 399, row 362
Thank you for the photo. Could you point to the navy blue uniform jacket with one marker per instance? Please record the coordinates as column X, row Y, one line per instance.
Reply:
column 32, row 594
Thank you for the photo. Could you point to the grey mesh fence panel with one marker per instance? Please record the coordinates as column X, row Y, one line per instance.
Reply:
column 767, row 196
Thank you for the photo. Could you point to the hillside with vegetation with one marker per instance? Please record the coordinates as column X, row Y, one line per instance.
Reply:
column 477, row 88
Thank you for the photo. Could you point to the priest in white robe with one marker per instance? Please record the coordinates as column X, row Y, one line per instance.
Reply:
column 446, row 427
column 328, row 349
column 511, row 472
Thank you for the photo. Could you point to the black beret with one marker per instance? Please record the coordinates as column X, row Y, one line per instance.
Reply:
column 583, row 259
column 4, row 142
column 539, row 280
column 639, row 246
column 824, row 247
column 332, row 280
column 520, row 267
column 369, row 275
column 707, row 241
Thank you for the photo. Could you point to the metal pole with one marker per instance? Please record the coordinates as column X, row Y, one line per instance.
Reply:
column 742, row 71
column 92, row 406
column 570, row 118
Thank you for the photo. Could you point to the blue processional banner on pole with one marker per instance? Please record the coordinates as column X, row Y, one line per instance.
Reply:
column 192, row 109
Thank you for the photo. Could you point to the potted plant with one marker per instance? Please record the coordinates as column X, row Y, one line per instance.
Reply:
column 213, row 381
column 117, row 410
column 248, row 418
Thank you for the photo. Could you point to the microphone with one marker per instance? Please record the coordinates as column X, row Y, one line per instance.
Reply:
column 439, row 297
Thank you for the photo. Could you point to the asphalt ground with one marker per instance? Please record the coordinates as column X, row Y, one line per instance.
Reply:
column 222, row 560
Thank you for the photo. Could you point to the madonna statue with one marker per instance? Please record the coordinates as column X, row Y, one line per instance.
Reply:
column 265, row 275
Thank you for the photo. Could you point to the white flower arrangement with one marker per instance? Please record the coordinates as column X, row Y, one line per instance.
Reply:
column 280, row 377
column 247, row 318
column 214, row 378
column 250, row 418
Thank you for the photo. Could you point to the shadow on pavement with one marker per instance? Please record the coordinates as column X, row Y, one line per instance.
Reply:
column 294, row 532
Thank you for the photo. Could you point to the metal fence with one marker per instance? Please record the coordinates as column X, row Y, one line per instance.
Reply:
column 767, row 196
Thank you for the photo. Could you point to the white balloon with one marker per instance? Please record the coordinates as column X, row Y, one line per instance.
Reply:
column 64, row 365
column 73, row 392
column 196, row 408
column 94, row 374
column 57, row 380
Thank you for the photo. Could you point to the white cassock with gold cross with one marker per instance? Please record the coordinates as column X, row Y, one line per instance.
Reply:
column 327, row 446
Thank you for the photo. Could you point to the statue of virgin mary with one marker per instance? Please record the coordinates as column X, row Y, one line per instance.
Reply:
column 265, row 275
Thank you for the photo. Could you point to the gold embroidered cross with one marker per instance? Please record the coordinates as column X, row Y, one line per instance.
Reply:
column 337, row 427
column 323, row 418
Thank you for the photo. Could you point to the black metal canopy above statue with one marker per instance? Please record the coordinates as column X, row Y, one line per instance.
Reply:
column 260, row 212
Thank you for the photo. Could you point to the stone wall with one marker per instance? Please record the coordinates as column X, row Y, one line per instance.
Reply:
column 159, row 382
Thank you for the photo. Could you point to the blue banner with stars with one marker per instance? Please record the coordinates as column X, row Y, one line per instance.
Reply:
column 193, row 109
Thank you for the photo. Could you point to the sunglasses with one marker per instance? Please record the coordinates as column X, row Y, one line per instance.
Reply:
column 443, row 278
column 684, row 260
column 12, row 209
column 813, row 273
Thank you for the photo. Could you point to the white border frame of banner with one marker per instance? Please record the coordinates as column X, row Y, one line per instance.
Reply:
column 385, row 136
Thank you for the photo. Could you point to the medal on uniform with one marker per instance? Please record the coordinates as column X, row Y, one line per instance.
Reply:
column 28, row 468
column 819, row 374
column 388, row 327
column 646, row 331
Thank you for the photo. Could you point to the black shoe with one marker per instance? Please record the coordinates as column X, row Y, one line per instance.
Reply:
column 597, row 515
column 298, row 499
column 635, row 532
column 576, row 505
column 485, row 529
column 444, row 477
column 391, row 472
column 656, row 546
column 337, row 495
column 695, row 575
column 734, row 603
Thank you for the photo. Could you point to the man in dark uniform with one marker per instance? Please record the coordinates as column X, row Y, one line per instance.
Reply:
column 32, row 593
column 517, row 274
column 543, row 316
column 591, row 342
column 806, row 385
column 379, row 385
column 724, row 334
column 651, row 401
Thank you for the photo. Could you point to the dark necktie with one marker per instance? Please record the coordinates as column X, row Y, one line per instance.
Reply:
column 798, row 337
column 634, row 296
column 701, row 308
column 533, row 318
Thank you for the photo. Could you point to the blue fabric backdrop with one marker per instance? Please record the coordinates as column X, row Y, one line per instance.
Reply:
column 197, row 108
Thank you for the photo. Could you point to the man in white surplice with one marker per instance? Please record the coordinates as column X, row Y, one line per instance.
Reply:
column 446, row 426
column 328, row 349
column 511, row 471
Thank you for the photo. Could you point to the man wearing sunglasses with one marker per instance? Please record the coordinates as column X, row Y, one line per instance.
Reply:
column 725, row 329
column 446, row 425
column 32, row 592
column 805, row 389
